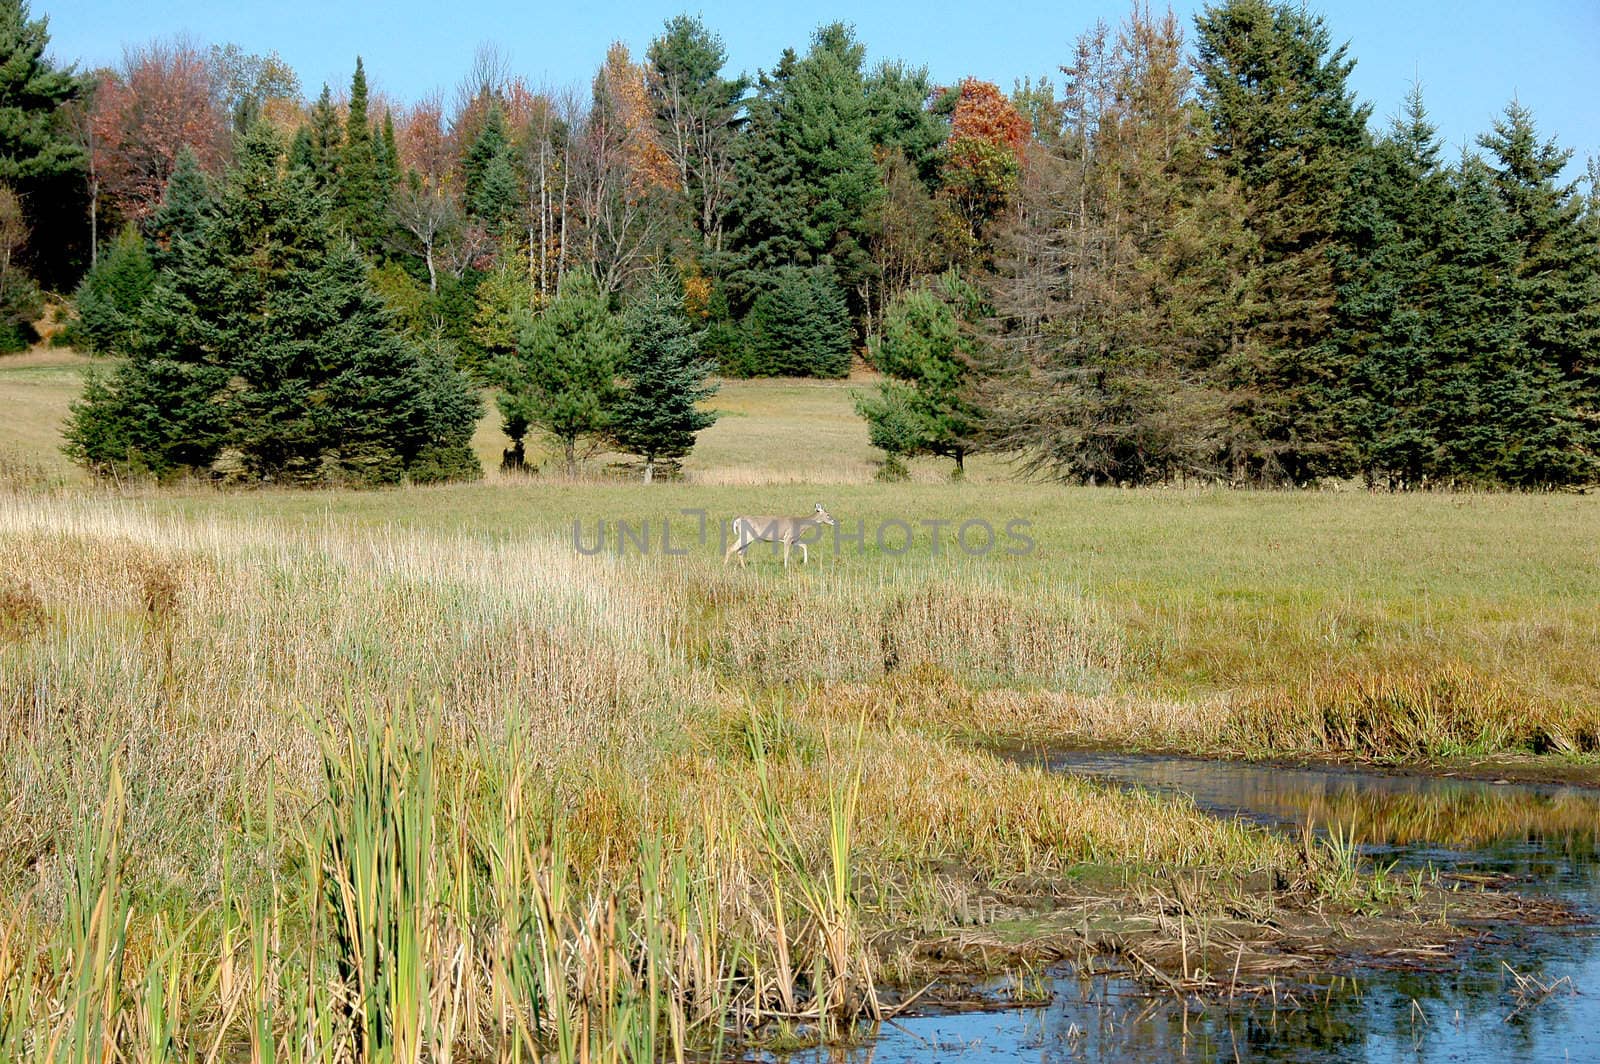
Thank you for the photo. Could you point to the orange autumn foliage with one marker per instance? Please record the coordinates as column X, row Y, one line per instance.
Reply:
column 983, row 113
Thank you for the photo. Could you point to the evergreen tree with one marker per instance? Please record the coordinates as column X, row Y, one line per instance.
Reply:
column 108, row 299
column 319, row 150
column 488, row 171
column 183, row 208
column 657, row 414
column 807, row 179
column 800, row 326
column 361, row 198
column 40, row 158
column 1387, row 310
column 1286, row 125
column 929, row 353
column 263, row 342
column 1559, row 271
column 34, row 145
column 720, row 342
column 901, row 121
column 1507, row 415
column 1121, row 277
column 562, row 378
column 389, row 153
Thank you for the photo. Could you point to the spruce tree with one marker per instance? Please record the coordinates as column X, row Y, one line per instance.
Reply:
column 389, row 154
column 562, row 378
column 929, row 353
column 1386, row 315
column 361, row 197
column 489, row 174
column 183, row 208
column 108, row 300
column 800, row 326
column 1286, row 126
column 318, row 152
column 263, row 343
column 1559, row 271
column 657, row 414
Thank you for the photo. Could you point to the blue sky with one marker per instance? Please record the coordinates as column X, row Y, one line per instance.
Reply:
column 1471, row 55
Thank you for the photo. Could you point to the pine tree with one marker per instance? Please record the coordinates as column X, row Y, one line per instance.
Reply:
column 800, row 326
column 807, row 178
column 264, row 342
column 901, row 121
column 929, row 353
column 40, row 159
column 34, row 146
column 697, row 120
column 1286, row 125
column 562, row 378
column 108, row 300
column 657, row 415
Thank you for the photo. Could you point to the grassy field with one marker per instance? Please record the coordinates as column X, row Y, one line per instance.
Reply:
column 401, row 774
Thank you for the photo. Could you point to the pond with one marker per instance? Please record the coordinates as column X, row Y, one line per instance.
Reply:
column 1538, row 839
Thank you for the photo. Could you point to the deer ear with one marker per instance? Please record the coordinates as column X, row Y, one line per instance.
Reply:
column 819, row 507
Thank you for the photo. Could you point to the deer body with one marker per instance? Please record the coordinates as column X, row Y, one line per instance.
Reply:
column 748, row 529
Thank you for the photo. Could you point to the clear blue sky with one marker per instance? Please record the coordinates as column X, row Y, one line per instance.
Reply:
column 1471, row 55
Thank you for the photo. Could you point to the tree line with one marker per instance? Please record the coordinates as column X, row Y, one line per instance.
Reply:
column 1191, row 258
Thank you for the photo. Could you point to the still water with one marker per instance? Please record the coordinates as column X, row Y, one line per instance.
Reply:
column 1544, row 837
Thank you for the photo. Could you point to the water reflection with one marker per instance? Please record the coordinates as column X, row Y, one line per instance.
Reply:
column 1545, row 836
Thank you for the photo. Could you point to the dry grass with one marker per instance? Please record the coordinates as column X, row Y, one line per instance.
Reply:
column 540, row 740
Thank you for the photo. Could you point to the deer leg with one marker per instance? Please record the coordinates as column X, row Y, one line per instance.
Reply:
column 786, row 553
column 805, row 555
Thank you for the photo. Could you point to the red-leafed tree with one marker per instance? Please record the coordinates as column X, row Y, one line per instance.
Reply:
column 983, row 157
column 425, row 147
column 158, row 102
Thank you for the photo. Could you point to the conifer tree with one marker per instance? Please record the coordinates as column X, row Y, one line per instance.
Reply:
column 488, row 178
column 562, row 379
column 1386, row 316
column 389, row 154
column 40, row 159
column 807, row 178
column 1559, row 271
column 1507, row 415
column 800, row 326
column 108, row 300
column 263, row 342
column 361, row 197
column 318, row 152
column 929, row 353
column 697, row 120
column 657, row 414
column 1286, row 125
column 34, row 145
column 183, row 208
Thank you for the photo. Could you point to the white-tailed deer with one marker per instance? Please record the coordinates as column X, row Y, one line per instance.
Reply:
column 786, row 530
